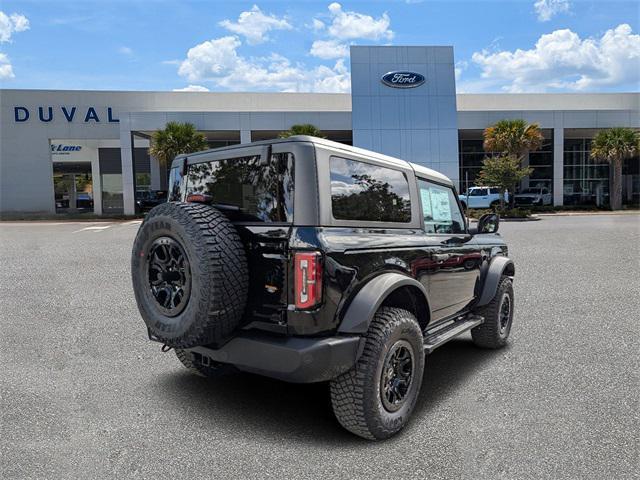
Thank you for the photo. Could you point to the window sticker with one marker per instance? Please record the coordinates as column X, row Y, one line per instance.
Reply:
column 440, row 206
column 425, row 197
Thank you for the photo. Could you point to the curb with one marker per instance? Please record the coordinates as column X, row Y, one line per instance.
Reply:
column 577, row 214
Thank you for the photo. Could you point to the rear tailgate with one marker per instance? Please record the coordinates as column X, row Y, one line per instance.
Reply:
column 256, row 193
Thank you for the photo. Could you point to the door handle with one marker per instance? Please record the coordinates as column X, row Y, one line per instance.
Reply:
column 441, row 257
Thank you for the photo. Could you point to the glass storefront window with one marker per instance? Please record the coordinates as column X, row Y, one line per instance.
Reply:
column 73, row 187
column 586, row 181
column 143, row 181
column 112, row 201
column 472, row 155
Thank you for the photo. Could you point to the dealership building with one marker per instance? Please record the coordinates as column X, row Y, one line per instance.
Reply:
column 68, row 151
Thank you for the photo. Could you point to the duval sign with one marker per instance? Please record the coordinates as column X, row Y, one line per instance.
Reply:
column 47, row 114
column 403, row 79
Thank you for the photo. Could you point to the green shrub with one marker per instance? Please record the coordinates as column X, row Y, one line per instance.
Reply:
column 505, row 213
column 515, row 213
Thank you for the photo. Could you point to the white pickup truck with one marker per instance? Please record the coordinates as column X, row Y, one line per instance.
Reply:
column 482, row 197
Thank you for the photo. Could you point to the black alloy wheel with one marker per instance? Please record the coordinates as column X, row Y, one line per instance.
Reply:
column 169, row 276
column 498, row 317
column 397, row 375
column 505, row 313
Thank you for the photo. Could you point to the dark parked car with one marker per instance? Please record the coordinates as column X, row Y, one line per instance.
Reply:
column 307, row 260
column 147, row 199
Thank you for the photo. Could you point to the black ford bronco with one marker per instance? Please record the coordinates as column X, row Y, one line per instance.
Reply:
column 307, row 260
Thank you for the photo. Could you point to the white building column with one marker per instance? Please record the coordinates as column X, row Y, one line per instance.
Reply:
column 126, row 158
column 558, row 166
column 154, row 168
column 245, row 136
column 96, row 181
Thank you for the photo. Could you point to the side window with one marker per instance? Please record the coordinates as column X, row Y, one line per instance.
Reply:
column 494, row 191
column 362, row 191
column 440, row 209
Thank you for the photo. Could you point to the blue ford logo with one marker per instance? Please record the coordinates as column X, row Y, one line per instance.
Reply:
column 403, row 79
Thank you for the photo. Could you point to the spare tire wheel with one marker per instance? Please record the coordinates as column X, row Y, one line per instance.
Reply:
column 189, row 274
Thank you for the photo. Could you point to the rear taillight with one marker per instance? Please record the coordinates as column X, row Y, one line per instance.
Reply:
column 308, row 279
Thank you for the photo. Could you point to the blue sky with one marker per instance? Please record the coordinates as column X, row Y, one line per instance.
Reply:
column 500, row 46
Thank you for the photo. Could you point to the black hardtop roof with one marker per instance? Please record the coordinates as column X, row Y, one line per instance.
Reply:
column 330, row 144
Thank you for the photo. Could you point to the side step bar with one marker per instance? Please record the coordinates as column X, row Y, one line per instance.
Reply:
column 441, row 334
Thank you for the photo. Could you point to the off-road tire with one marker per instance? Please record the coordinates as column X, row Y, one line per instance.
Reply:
column 218, row 274
column 213, row 370
column 491, row 333
column 356, row 395
column 494, row 205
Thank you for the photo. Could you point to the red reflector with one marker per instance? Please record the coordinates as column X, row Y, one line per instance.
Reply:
column 308, row 279
column 198, row 198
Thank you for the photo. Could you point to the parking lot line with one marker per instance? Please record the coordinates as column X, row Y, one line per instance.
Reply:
column 94, row 228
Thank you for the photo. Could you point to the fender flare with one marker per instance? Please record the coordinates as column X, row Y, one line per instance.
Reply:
column 496, row 269
column 365, row 304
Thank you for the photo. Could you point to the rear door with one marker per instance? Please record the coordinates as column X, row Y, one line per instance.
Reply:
column 454, row 266
column 255, row 191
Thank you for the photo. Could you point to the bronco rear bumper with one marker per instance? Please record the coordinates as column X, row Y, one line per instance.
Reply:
column 293, row 359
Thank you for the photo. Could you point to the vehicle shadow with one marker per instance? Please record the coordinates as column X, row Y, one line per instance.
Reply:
column 271, row 408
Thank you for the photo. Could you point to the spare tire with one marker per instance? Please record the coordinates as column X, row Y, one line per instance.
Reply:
column 189, row 274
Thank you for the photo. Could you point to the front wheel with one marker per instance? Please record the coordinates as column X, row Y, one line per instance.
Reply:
column 376, row 398
column 498, row 317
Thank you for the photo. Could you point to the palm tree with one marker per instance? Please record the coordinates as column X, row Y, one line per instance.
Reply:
column 174, row 139
column 514, row 139
column 302, row 129
column 614, row 146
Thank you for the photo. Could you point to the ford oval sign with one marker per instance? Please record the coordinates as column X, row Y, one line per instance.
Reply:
column 403, row 79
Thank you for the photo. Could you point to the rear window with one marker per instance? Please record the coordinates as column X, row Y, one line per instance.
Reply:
column 244, row 189
column 361, row 191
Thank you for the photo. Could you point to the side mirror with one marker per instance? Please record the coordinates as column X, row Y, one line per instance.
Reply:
column 488, row 223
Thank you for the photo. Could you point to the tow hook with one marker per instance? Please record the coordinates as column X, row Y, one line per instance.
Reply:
column 166, row 348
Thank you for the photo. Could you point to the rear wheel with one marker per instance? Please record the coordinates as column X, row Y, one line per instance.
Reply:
column 376, row 398
column 494, row 205
column 498, row 317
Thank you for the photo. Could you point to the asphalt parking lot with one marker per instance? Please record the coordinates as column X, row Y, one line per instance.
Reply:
column 84, row 394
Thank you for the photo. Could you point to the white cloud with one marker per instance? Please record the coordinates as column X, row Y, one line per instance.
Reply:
column 328, row 49
column 254, row 25
column 460, row 67
column 562, row 60
column 6, row 70
column 218, row 61
column 10, row 24
column 125, row 51
column 192, row 88
column 210, row 59
column 547, row 9
column 347, row 25
column 317, row 25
